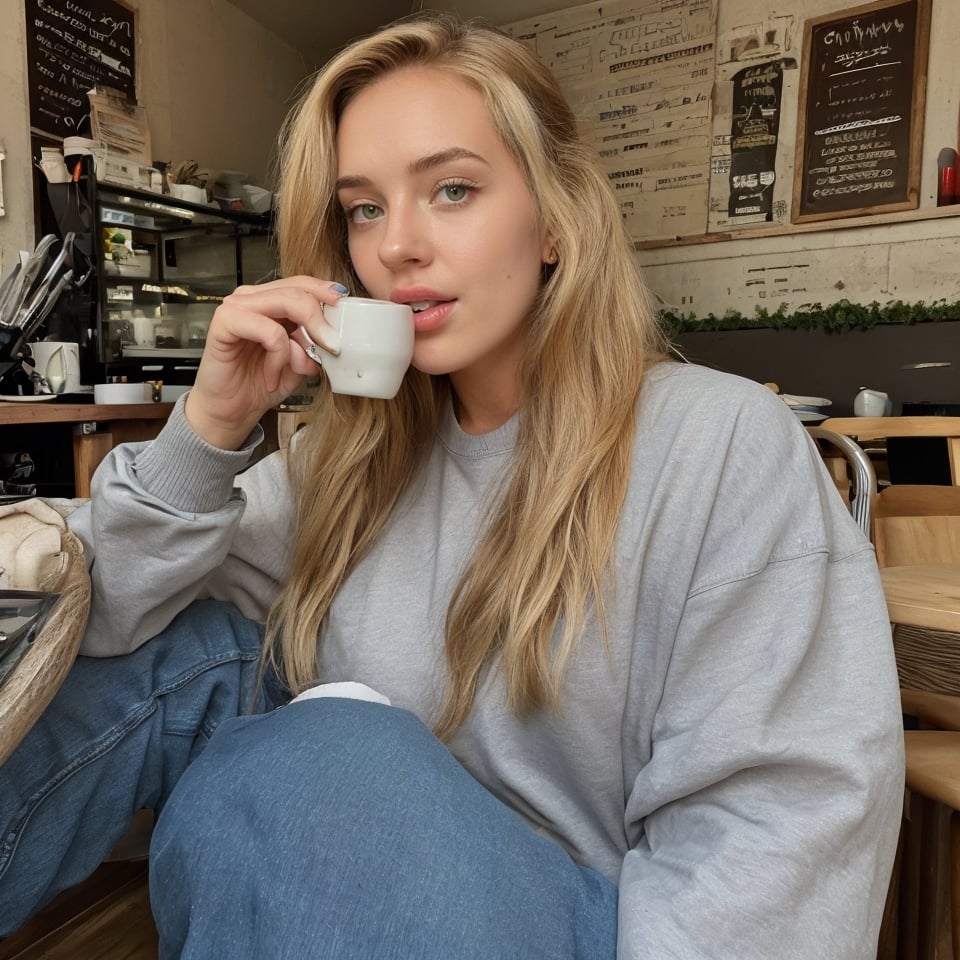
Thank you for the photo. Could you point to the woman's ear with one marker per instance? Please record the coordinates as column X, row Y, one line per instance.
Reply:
column 549, row 252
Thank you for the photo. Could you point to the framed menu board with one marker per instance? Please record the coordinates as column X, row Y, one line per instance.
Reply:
column 72, row 47
column 862, row 90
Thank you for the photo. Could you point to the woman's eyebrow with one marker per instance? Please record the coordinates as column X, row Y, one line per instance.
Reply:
column 418, row 166
column 444, row 156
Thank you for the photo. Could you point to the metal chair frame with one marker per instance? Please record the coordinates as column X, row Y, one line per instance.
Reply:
column 863, row 478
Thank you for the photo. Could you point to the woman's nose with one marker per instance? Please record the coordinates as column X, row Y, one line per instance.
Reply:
column 404, row 239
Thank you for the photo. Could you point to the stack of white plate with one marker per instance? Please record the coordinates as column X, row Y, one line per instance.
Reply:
column 807, row 409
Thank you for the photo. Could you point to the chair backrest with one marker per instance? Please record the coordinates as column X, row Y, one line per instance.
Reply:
column 852, row 471
column 917, row 524
column 883, row 428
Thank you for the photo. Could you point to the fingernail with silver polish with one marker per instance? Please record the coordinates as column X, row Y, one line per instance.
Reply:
column 339, row 288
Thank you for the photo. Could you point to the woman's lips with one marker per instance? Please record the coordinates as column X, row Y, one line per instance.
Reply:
column 433, row 317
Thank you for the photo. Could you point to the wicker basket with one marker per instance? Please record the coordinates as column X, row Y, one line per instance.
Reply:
column 38, row 676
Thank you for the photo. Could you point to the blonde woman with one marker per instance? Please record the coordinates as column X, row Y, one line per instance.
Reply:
column 588, row 658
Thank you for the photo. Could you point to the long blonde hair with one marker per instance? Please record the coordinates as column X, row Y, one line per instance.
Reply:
column 549, row 541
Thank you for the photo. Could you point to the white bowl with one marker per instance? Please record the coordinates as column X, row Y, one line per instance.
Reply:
column 121, row 393
column 186, row 191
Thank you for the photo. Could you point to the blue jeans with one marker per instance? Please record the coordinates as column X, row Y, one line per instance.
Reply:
column 327, row 829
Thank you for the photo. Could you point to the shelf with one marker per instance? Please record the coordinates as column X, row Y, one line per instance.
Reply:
column 158, row 204
column 181, row 259
column 156, row 353
column 168, row 288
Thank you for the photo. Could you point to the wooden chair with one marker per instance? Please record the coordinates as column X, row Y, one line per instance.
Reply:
column 917, row 529
column 933, row 772
column 884, row 428
column 916, row 532
column 916, row 524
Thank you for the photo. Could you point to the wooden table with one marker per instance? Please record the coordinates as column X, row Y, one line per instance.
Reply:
column 924, row 595
column 97, row 428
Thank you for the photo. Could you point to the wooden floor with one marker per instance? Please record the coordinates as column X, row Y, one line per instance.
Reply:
column 106, row 918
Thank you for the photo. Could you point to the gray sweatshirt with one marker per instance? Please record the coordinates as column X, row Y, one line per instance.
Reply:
column 733, row 760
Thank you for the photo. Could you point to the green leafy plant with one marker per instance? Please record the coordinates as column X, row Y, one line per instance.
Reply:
column 835, row 318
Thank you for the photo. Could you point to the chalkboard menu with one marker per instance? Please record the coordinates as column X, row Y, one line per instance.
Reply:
column 862, row 91
column 73, row 45
column 757, row 92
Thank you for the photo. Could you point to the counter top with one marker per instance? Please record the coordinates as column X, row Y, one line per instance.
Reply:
column 56, row 412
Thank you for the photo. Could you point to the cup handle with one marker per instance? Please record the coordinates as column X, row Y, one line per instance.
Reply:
column 312, row 349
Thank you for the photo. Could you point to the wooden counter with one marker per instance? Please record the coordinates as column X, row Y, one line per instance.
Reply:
column 55, row 412
column 97, row 428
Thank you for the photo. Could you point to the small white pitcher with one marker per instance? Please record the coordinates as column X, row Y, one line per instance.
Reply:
column 872, row 403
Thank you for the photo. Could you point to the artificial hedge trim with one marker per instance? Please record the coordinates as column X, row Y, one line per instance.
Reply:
column 835, row 318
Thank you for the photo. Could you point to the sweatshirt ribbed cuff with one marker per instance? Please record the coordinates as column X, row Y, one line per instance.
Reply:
column 187, row 473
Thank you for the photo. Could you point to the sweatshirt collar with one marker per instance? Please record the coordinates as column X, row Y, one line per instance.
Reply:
column 499, row 441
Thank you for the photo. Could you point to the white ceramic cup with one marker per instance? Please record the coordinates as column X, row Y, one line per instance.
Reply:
column 144, row 331
column 374, row 340
column 58, row 361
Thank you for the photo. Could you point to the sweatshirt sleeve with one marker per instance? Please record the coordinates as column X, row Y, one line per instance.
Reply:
column 768, row 813
column 169, row 522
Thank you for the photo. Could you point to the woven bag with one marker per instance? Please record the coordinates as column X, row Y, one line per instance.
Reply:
column 38, row 552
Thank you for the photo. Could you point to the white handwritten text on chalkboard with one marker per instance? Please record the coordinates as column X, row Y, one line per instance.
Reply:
column 72, row 47
column 860, row 108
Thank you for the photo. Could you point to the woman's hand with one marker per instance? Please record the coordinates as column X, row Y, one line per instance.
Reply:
column 249, row 362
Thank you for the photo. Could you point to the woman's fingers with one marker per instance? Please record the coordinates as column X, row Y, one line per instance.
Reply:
column 250, row 363
column 299, row 301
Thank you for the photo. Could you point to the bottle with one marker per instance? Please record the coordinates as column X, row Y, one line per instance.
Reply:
column 946, row 177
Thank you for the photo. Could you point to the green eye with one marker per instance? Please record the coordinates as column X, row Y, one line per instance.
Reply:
column 363, row 213
column 455, row 192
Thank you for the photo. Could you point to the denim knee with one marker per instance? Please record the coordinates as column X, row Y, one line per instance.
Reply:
column 346, row 746
column 347, row 824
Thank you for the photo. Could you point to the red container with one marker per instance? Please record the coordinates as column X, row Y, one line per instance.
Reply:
column 947, row 177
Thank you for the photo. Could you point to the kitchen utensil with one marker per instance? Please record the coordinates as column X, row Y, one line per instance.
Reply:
column 30, row 297
column 24, row 280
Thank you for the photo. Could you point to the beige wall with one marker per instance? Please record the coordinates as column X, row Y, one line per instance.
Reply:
column 215, row 84
column 909, row 256
column 16, row 226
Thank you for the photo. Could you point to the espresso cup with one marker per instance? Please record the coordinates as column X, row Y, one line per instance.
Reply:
column 374, row 344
